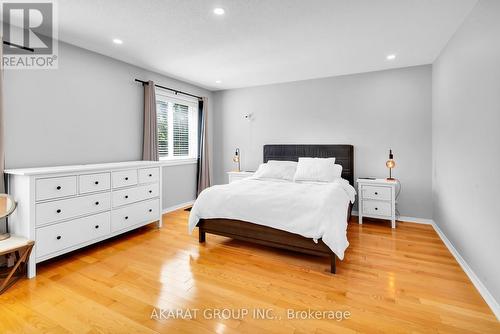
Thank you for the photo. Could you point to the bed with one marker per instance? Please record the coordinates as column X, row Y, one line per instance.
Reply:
column 215, row 219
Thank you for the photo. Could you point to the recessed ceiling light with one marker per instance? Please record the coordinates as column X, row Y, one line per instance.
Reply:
column 218, row 81
column 391, row 57
column 219, row 11
column 117, row 41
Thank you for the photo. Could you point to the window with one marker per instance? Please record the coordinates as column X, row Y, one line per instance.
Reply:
column 177, row 119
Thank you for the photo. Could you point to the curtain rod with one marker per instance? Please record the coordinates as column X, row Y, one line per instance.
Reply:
column 170, row 89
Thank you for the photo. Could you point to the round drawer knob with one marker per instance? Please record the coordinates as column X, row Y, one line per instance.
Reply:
column 58, row 210
column 96, row 182
column 97, row 226
column 376, row 208
column 150, row 175
column 151, row 191
column 150, row 210
column 376, row 193
column 96, row 203
column 58, row 187
column 126, row 217
column 126, row 179
column 126, row 196
column 58, row 237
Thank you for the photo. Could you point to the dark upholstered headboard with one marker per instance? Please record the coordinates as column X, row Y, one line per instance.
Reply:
column 344, row 155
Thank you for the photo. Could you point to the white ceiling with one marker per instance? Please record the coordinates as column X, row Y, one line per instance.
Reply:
column 263, row 41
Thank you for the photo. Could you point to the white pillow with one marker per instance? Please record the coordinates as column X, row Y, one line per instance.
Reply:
column 317, row 169
column 284, row 170
column 338, row 170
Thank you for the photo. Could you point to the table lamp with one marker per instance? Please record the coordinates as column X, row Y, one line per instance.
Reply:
column 236, row 159
column 390, row 164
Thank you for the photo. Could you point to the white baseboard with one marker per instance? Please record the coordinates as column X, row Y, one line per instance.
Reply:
column 177, row 207
column 407, row 219
column 487, row 296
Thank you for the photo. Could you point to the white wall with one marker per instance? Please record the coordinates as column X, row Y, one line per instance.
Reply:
column 372, row 111
column 466, row 142
column 87, row 111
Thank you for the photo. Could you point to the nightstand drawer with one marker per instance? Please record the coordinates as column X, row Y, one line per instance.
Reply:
column 376, row 192
column 377, row 208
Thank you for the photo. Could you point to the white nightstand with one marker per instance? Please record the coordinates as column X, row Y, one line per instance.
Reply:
column 235, row 176
column 377, row 199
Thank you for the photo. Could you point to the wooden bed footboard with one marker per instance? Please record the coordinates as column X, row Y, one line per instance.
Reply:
column 266, row 236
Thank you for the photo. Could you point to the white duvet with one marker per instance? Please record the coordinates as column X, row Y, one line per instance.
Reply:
column 313, row 210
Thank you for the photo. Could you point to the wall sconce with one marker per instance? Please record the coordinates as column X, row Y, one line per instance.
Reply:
column 236, row 159
column 390, row 164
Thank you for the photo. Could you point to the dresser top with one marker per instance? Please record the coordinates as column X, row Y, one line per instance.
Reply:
column 82, row 168
column 243, row 172
column 377, row 181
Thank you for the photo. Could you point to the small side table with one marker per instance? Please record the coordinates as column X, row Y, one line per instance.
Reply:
column 235, row 176
column 377, row 199
column 20, row 248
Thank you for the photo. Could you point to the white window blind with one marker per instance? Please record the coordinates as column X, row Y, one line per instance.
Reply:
column 162, row 122
column 177, row 127
column 181, row 130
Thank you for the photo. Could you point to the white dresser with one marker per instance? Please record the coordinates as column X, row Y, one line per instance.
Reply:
column 68, row 207
column 377, row 199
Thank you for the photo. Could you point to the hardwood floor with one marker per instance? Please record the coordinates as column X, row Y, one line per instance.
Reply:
column 391, row 281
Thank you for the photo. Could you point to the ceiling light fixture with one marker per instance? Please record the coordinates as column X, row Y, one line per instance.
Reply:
column 218, row 81
column 117, row 41
column 219, row 11
column 391, row 57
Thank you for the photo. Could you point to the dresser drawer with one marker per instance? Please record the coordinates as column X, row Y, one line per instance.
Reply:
column 55, row 187
column 147, row 175
column 94, row 182
column 54, row 238
column 377, row 208
column 124, row 178
column 134, row 214
column 68, row 208
column 376, row 192
column 132, row 195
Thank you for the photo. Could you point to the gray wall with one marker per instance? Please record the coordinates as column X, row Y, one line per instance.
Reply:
column 373, row 111
column 180, row 185
column 87, row 111
column 466, row 142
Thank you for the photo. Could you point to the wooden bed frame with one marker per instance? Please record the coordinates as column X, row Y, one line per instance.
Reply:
column 268, row 236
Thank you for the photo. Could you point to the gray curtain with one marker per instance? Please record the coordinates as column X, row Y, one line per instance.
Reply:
column 150, row 142
column 203, row 159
